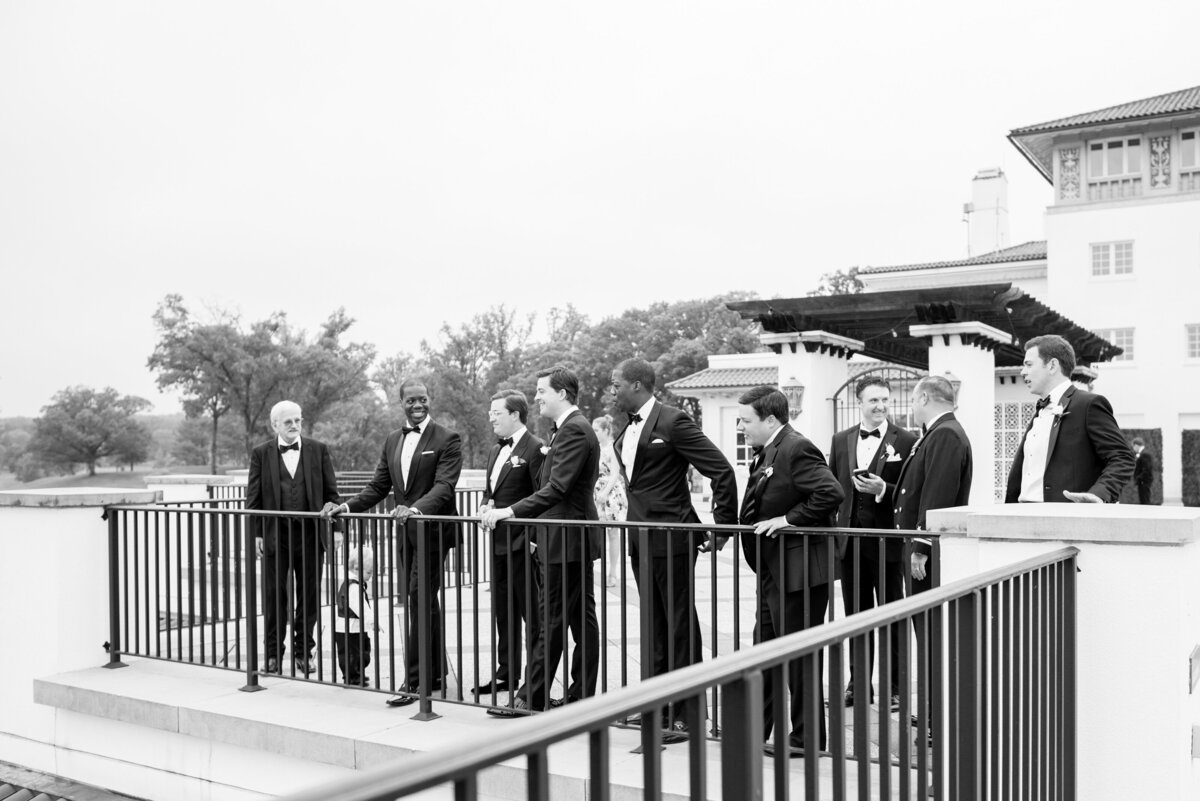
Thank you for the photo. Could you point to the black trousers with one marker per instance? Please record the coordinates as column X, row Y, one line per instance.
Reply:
column 865, row 593
column 676, row 627
column 296, row 558
column 781, row 613
column 353, row 654
column 430, row 573
column 515, row 605
column 1144, row 494
column 568, row 603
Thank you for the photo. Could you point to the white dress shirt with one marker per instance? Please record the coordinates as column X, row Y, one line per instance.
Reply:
column 633, row 433
column 408, row 449
column 868, row 447
column 504, row 455
column 291, row 458
column 1037, row 449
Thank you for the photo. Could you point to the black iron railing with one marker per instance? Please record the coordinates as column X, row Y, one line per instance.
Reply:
column 187, row 586
column 996, row 710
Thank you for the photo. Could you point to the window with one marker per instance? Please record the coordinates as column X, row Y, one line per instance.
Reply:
column 1193, row 340
column 1189, row 150
column 1122, row 338
column 1112, row 258
column 1115, row 157
column 742, row 454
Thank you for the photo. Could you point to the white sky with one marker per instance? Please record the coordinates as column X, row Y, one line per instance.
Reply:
column 420, row 162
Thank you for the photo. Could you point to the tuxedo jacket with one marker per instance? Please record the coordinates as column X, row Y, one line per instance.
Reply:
column 565, row 487
column 1143, row 469
column 518, row 479
column 658, row 489
column 262, row 485
column 432, row 477
column 863, row 511
column 793, row 480
column 1086, row 453
column 937, row 474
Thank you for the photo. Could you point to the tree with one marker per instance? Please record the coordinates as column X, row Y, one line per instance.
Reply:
column 83, row 426
column 328, row 372
column 839, row 282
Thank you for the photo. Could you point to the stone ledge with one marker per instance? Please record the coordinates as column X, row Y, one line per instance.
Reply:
column 66, row 497
column 189, row 478
column 1071, row 522
column 352, row 728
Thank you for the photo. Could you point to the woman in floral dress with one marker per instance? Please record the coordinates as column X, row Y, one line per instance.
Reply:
column 610, row 496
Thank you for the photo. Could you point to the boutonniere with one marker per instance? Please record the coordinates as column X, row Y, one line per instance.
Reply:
column 1056, row 411
column 516, row 461
column 770, row 471
column 545, row 450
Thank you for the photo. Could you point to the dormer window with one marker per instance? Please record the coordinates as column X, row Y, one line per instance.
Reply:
column 1189, row 150
column 1114, row 158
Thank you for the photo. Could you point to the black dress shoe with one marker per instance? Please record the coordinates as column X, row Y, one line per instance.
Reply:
column 517, row 709
column 303, row 665
column 272, row 665
column 493, row 687
column 792, row 751
column 401, row 700
column 848, row 698
column 677, row 732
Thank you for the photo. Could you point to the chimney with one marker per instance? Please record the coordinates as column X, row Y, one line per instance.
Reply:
column 987, row 213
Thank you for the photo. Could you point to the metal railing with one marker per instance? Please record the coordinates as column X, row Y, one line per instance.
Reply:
column 996, row 709
column 185, row 586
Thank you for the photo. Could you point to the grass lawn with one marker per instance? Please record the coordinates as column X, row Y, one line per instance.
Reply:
column 105, row 477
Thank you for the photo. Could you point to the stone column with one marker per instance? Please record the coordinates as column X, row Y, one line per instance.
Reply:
column 812, row 365
column 1137, row 631
column 963, row 352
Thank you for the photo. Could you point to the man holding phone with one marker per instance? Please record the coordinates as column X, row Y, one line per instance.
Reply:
column 866, row 459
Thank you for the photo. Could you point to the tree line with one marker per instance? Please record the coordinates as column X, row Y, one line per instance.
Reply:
column 230, row 372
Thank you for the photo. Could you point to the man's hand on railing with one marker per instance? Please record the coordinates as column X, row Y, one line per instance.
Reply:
column 771, row 527
column 715, row 542
column 332, row 509
column 918, row 565
column 258, row 548
column 491, row 517
column 1082, row 497
column 401, row 513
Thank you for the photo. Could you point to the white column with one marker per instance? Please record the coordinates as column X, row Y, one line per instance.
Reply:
column 812, row 365
column 1137, row 630
column 963, row 353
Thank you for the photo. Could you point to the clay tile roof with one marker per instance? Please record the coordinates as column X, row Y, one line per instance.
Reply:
column 1036, row 142
column 719, row 377
column 1028, row 251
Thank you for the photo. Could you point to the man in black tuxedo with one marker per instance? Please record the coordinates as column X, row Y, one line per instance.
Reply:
column 790, row 485
column 1143, row 471
column 564, row 554
column 289, row 474
column 1073, row 449
column 420, row 463
column 512, row 470
column 937, row 473
column 866, row 460
column 654, row 451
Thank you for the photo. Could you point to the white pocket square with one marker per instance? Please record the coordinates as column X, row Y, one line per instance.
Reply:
column 426, row 453
column 894, row 458
column 656, row 441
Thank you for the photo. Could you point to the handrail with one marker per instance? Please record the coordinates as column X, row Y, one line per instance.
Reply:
column 426, row 770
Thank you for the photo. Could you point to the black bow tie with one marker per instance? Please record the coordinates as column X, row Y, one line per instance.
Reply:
column 863, row 433
column 1042, row 404
column 412, row 430
column 635, row 418
column 504, row 442
column 295, row 446
column 553, row 429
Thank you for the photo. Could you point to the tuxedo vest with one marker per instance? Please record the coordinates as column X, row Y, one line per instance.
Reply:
column 293, row 495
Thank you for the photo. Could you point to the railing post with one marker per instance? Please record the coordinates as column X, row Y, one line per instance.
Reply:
column 250, row 555
column 114, row 593
column 1069, row 720
column 425, row 709
column 741, row 741
column 645, row 579
column 965, row 706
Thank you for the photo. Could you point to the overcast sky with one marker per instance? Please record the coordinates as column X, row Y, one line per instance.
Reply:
column 420, row 162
